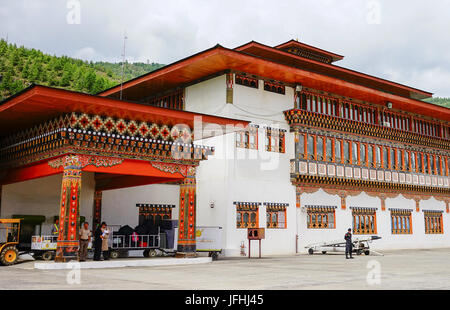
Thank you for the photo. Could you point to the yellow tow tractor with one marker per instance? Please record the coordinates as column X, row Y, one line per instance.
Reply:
column 9, row 239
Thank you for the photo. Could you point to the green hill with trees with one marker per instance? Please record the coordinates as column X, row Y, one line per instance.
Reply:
column 21, row 67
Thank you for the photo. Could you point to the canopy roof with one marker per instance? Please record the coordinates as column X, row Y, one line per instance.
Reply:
column 271, row 62
column 38, row 104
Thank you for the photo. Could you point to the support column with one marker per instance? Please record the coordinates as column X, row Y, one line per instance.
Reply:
column 67, row 244
column 97, row 209
column 187, row 216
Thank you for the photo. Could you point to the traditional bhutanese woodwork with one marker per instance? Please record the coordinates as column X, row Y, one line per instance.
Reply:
column 67, row 244
column 48, row 141
column 401, row 221
column 246, row 81
column 187, row 215
column 154, row 212
column 321, row 217
column 173, row 100
column 248, row 138
column 275, row 140
column 247, row 214
column 433, row 222
column 299, row 118
column 366, row 185
column 276, row 215
column 364, row 220
column 274, row 87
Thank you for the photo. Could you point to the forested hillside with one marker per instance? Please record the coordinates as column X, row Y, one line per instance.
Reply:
column 20, row 67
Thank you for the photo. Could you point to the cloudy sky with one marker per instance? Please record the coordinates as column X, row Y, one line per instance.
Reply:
column 404, row 41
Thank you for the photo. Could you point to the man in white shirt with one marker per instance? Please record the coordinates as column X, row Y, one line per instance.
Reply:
column 85, row 238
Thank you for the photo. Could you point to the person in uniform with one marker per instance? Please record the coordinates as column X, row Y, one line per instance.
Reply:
column 348, row 244
column 55, row 228
column 85, row 238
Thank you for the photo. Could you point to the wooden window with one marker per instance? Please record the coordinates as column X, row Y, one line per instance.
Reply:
column 355, row 152
column 310, row 146
column 173, row 100
column 246, row 81
column 274, row 87
column 419, row 162
column 247, row 215
column 413, row 161
column 347, row 152
column 321, row 217
column 401, row 222
column 337, row 151
column 370, row 156
column 320, row 149
column 300, row 145
column 363, row 154
column 378, row 156
column 329, row 150
column 433, row 222
column 248, row 138
column 276, row 217
column 385, row 158
column 154, row 212
column 364, row 221
column 275, row 140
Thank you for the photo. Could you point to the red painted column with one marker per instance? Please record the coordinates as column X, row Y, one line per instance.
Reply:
column 67, row 244
column 187, row 216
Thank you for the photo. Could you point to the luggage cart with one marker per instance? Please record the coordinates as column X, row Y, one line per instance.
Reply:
column 360, row 246
column 209, row 240
column 120, row 245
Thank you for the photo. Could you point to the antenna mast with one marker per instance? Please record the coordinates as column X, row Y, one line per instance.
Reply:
column 123, row 64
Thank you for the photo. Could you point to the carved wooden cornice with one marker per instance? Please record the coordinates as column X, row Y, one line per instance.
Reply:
column 296, row 117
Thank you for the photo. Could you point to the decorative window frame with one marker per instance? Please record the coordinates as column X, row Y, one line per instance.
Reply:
column 244, row 137
column 401, row 221
column 317, row 214
column 151, row 210
column 279, row 211
column 434, row 224
column 275, row 87
column 244, row 80
column 244, row 212
column 275, row 140
column 363, row 215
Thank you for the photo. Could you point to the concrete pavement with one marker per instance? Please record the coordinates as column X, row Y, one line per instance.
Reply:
column 407, row 269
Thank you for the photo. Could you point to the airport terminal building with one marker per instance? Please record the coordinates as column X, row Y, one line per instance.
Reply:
column 276, row 137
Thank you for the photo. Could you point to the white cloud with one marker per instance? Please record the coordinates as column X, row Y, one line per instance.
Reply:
column 409, row 45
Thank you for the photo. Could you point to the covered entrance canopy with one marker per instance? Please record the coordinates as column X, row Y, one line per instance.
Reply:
column 47, row 131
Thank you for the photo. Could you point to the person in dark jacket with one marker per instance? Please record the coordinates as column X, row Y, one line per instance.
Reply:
column 98, row 243
column 348, row 244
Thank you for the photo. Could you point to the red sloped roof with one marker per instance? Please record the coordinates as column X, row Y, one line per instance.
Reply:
column 287, row 68
column 38, row 104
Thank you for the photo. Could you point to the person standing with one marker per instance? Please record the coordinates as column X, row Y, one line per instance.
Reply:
column 55, row 228
column 85, row 238
column 348, row 244
column 98, row 243
column 105, row 244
